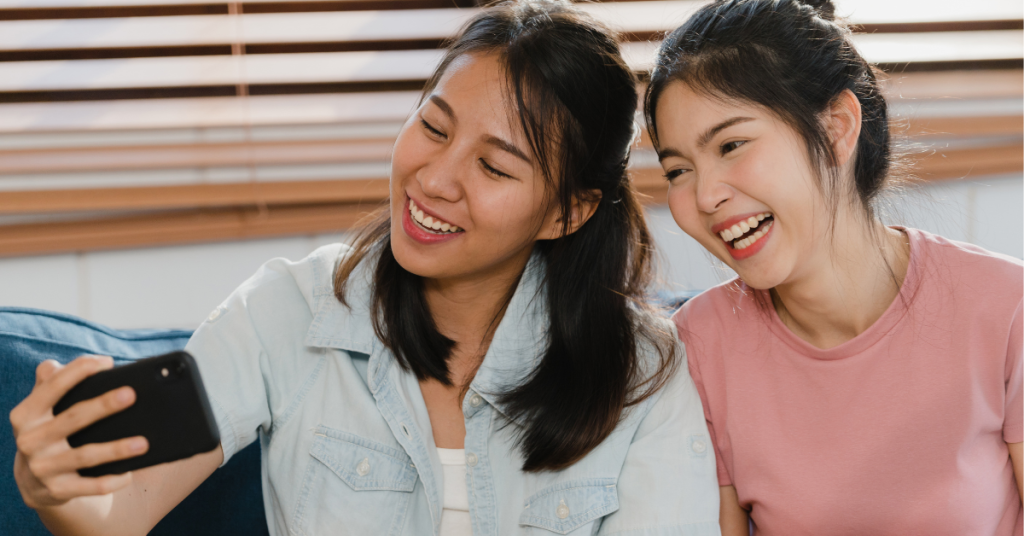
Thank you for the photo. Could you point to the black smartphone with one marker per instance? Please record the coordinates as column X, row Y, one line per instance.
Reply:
column 171, row 411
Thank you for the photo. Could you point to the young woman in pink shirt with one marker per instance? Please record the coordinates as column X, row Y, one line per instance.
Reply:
column 857, row 378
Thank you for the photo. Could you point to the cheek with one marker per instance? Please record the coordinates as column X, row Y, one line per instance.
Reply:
column 409, row 154
column 507, row 209
column 682, row 202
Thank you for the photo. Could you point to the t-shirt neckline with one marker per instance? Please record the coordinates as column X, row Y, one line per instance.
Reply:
column 889, row 319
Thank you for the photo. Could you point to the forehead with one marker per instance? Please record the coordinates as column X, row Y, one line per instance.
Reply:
column 475, row 86
column 683, row 114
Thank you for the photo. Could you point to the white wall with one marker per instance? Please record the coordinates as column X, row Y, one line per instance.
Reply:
column 178, row 286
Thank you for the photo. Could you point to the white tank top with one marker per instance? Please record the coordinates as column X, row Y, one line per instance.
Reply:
column 455, row 519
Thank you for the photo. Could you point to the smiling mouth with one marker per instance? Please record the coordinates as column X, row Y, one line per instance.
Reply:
column 429, row 223
column 748, row 231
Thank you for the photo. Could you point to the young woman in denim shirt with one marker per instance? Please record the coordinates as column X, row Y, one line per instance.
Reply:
column 480, row 361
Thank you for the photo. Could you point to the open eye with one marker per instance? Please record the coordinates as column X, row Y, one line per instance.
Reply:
column 731, row 146
column 433, row 131
column 493, row 171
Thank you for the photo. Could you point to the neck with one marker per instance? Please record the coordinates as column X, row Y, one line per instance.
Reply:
column 847, row 287
column 468, row 310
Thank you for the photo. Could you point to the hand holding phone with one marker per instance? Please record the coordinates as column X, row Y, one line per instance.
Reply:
column 171, row 411
column 47, row 464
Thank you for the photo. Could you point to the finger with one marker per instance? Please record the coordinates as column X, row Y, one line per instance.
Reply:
column 66, row 488
column 46, row 369
column 83, row 414
column 57, row 385
column 89, row 455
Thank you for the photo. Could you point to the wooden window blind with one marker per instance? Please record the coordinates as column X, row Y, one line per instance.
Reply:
column 129, row 123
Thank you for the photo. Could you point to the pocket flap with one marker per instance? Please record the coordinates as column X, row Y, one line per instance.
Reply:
column 567, row 506
column 362, row 463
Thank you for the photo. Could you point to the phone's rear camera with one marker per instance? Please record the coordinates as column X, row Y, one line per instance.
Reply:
column 164, row 372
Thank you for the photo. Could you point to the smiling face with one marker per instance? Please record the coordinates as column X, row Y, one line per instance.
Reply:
column 467, row 198
column 741, row 183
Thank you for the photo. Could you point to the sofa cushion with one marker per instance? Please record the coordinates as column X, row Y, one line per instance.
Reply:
column 230, row 502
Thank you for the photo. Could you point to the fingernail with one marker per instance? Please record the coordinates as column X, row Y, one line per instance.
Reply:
column 137, row 445
column 124, row 396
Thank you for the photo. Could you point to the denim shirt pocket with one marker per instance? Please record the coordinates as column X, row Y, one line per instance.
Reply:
column 363, row 484
column 362, row 463
column 569, row 506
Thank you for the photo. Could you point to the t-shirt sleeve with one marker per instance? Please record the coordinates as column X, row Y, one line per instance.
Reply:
column 693, row 365
column 1013, row 423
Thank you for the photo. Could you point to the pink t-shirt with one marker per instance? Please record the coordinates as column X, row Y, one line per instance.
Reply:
column 899, row 431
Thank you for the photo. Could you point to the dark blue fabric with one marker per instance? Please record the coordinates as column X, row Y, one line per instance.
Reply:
column 229, row 503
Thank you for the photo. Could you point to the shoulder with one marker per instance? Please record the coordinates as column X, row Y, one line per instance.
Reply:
column 281, row 282
column 966, row 267
column 277, row 303
column 722, row 305
column 966, row 256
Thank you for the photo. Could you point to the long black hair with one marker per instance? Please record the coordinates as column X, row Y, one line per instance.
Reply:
column 575, row 99
column 793, row 58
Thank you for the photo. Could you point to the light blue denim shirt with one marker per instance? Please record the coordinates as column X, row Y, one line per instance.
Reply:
column 347, row 443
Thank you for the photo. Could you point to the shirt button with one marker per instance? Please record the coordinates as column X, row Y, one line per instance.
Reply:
column 699, row 446
column 563, row 509
column 476, row 400
column 471, row 459
column 214, row 315
column 364, row 467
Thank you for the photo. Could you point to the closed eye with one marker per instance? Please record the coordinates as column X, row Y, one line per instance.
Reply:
column 731, row 146
column 433, row 131
column 493, row 171
column 674, row 174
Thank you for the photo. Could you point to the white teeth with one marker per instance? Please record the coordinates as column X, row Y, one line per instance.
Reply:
column 742, row 244
column 429, row 222
column 744, row 227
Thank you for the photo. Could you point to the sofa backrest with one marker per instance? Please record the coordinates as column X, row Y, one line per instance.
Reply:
column 229, row 503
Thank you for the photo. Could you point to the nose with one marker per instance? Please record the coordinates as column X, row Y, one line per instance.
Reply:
column 442, row 177
column 712, row 193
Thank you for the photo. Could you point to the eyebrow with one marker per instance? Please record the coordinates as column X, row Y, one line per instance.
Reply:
column 444, row 106
column 491, row 140
column 710, row 133
column 508, row 148
column 668, row 153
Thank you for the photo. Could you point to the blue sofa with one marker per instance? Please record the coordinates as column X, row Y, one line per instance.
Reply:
column 229, row 503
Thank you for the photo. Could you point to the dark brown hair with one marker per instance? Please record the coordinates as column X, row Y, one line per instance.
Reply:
column 574, row 98
column 791, row 57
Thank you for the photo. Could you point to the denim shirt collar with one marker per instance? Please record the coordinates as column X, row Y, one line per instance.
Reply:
column 515, row 351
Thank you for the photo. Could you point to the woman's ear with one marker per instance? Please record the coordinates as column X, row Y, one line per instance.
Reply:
column 583, row 207
column 844, row 125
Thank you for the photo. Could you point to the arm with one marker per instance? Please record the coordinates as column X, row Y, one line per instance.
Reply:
column 734, row 520
column 1017, row 458
column 45, row 465
column 668, row 480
